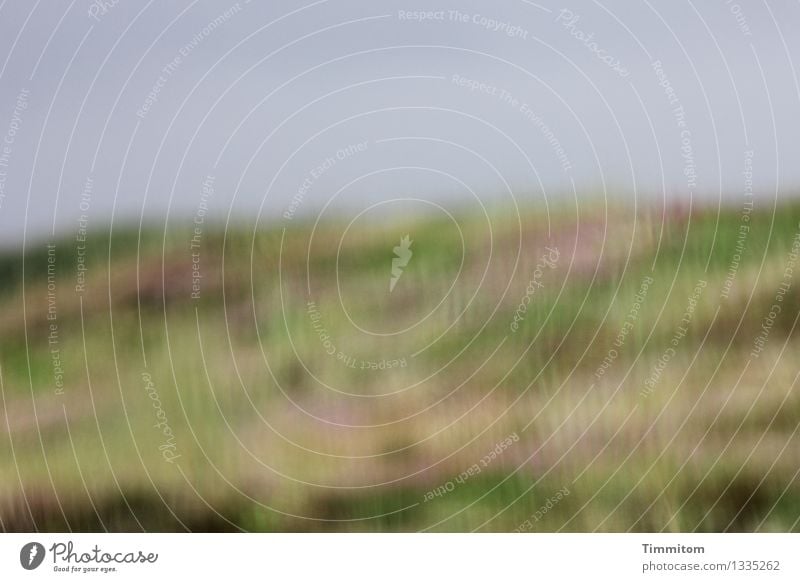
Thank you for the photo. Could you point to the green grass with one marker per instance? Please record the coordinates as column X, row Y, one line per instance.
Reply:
column 264, row 445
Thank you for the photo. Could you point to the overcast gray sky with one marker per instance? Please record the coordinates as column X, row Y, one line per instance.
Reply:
column 449, row 101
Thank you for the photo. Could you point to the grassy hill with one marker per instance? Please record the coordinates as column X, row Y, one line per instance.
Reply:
column 590, row 368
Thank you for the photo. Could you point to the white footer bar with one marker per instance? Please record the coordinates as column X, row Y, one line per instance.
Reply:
column 402, row 557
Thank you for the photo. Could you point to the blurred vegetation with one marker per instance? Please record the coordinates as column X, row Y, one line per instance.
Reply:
column 274, row 433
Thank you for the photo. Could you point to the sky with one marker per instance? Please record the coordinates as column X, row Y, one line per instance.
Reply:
column 121, row 111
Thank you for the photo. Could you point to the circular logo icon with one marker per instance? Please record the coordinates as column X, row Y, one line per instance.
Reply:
column 31, row 555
